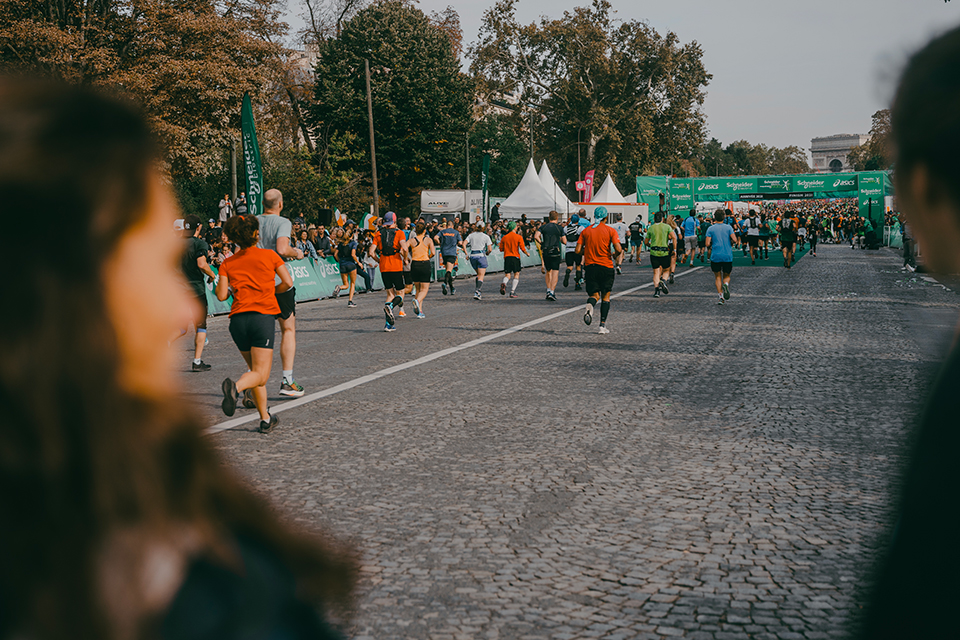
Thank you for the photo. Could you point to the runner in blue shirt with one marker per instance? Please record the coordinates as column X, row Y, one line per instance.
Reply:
column 448, row 240
column 690, row 236
column 720, row 240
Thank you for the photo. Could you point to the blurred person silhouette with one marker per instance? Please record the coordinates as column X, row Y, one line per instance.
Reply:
column 915, row 586
column 119, row 518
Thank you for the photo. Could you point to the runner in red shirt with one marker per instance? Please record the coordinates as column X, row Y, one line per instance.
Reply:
column 598, row 260
column 511, row 244
column 249, row 275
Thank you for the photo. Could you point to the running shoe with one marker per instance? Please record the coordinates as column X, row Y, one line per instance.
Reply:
column 476, row 295
column 402, row 313
column 420, row 316
column 336, row 291
column 199, row 366
column 578, row 287
column 351, row 304
column 443, row 288
column 551, row 297
column 726, row 291
column 513, row 294
column 266, row 426
column 663, row 287
column 291, row 389
column 619, row 272
column 230, row 393
column 631, row 258
column 671, row 277
column 566, row 279
column 753, row 262
column 416, row 307
column 588, row 314
column 603, row 330
column 388, row 312
column 656, row 292
column 453, row 289
column 503, row 289
column 720, row 299
column 389, row 327
column 248, row 401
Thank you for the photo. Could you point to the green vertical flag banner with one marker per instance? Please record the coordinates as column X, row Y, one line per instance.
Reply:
column 649, row 189
column 251, row 158
column 872, row 190
column 484, row 184
column 681, row 194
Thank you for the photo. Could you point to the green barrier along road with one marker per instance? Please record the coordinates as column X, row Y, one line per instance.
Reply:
column 315, row 280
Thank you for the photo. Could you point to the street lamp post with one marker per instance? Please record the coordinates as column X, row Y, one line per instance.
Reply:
column 373, row 146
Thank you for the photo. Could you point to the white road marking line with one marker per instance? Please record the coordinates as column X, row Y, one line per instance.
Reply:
column 356, row 382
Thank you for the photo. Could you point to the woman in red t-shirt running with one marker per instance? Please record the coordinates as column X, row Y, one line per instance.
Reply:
column 249, row 275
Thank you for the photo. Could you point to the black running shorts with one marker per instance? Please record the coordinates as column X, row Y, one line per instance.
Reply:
column 407, row 278
column 660, row 262
column 288, row 302
column 598, row 279
column 572, row 258
column 252, row 329
column 511, row 264
column 449, row 259
column 420, row 270
column 201, row 320
column 551, row 264
column 725, row 267
column 393, row 280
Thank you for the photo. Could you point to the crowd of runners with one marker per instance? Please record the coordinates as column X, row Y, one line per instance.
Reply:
column 252, row 251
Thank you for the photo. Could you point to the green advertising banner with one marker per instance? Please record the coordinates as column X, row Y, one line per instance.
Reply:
column 714, row 189
column 872, row 191
column 251, row 158
column 681, row 194
column 649, row 189
column 776, row 184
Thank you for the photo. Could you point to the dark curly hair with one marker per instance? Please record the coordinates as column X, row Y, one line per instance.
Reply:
column 242, row 230
column 81, row 457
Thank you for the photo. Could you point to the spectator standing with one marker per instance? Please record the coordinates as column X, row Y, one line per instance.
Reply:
column 240, row 204
column 226, row 209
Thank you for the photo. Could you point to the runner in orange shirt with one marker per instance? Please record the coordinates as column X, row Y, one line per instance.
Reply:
column 249, row 275
column 392, row 246
column 598, row 265
column 511, row 244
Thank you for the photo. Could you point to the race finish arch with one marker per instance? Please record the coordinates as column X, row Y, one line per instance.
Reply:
column 682, row 194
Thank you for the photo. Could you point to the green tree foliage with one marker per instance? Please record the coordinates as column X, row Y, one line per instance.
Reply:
column 188, row 62
column 743, row 158
column 497, row 135
column 421, row 100
column 876, row 154
column 628, row 96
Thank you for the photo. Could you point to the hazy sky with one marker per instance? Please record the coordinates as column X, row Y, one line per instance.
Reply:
column 783, row 71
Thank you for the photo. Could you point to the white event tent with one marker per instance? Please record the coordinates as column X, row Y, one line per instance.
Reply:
column 528, row 198
column 560, row 201
column 608, row 193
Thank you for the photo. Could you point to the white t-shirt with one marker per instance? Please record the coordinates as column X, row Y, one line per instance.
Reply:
column 478, row 241
column 621, row 229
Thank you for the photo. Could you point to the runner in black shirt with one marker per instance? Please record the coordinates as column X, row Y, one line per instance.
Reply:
column 194, row 266
column 550, row 238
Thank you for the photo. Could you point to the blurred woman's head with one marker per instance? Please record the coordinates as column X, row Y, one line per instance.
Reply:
column 243, row 230
column 926, row 135
column 100, row 464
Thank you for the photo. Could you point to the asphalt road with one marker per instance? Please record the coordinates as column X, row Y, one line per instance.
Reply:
column 703, row 471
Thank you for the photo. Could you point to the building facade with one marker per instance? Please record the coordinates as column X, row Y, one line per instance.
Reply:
column 829, row 154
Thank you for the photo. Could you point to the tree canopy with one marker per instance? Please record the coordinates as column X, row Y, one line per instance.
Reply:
column 188, row 62
column 421, row 99
column 629, row 96
column 876, row 154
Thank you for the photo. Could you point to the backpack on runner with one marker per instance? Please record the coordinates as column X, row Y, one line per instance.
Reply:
column 387, row 238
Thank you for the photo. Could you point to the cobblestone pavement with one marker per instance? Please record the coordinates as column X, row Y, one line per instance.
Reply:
column 703, row 471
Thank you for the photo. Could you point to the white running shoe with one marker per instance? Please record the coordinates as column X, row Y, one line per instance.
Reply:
column 603, row 330
column 588, row 314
